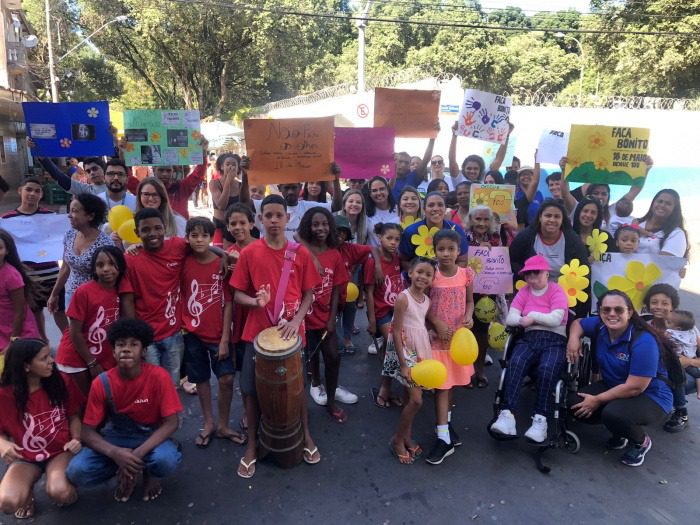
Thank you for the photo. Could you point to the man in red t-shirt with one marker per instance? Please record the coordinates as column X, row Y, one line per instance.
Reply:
column 140, row 406
column 255, row 281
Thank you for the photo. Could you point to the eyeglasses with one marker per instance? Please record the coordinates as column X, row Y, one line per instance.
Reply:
column 607, row 310
column 436, row 162
column 115, row 174
column 150, row 195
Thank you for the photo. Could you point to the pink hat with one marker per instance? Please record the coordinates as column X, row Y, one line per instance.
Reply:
column 535, row 263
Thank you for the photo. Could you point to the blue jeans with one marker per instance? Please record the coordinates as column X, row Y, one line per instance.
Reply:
column 168, row 353
column 90, row 468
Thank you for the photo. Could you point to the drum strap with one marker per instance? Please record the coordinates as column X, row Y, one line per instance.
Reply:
column 289, row 255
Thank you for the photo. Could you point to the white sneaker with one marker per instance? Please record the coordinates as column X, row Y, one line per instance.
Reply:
column 372, row 349
column 488, row 361
column 538, row 431
column 343, row 395
column 505, row 424
column 318, row 394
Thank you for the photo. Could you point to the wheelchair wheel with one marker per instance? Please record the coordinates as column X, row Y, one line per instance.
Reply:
column 571, row 442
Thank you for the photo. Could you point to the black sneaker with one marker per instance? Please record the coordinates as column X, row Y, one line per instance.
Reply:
column 678, row 421
column 617, row 443
column 454, row 437
column 440, row 451
column 634, row 456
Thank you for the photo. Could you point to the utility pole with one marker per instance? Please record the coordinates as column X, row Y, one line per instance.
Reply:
column 52, row 69
column 361, row 24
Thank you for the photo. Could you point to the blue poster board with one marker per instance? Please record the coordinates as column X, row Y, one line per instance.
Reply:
column 69, row 129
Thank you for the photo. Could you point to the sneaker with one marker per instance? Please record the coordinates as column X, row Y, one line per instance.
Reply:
column 616, row 443
column 318, row 394
column 440, row 451
column 678, row 421
column 538, row 430
column 343, row 395
column 488, row 361
column 454, row 437
column 505, row 424
column 634, row 456
column 372, row 349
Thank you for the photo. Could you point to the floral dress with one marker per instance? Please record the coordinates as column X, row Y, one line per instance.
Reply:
column 80, row 264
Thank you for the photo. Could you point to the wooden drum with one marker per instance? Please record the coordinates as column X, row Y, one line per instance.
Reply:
column 279, row 380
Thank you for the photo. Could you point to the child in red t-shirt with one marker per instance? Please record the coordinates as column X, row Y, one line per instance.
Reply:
column 140, row 407
column 40, row 436
column 255, row 281
column 206, row 318
column 317, row 231
column 84, row 352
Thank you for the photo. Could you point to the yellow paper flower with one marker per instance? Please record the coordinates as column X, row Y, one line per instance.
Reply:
column 155, row 136
column 574, row 269
column 196, row 135
column 407, row 221
column 596, row 243
column 129, row 146
column 475, row 264
column 183, row 153
column 574, row 162
column 596, row 141
column 481, row 198
column 601, row 164
column 423, row 241
column 574, row 287
column 636, row 281
column 520, row 284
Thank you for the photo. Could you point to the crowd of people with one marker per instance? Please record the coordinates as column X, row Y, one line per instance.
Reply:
column 190, row 298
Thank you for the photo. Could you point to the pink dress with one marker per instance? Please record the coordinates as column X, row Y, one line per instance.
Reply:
column 415, row 334
column 448, row 298
column 10, row 280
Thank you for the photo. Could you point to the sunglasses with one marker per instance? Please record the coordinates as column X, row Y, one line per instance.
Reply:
column 607, row 310
column 436, row 162
column 531, row 272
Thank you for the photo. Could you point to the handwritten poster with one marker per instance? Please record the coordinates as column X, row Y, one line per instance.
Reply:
column 492, row 268
column 158, row 137
column 411, row 112
column 607, row 154
column 363, row 153
column 39, row 238
column 498, row 197
column 633, row 274
column 552, row 146
column 484, row 116
column 289, row 150
column 69, row 129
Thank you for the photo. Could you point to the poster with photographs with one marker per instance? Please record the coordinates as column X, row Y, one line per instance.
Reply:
column 69, row 129
column 158, row 137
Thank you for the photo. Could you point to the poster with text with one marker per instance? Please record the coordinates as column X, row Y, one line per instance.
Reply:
column 39, row 237
column 498, row 197
column 289, row 150
column 484, row 116
column 363, row 153
column 492, row 268
column 411, row 112
column 162, row 137
column 607, row 155
column 69, row 129
column 552, row 146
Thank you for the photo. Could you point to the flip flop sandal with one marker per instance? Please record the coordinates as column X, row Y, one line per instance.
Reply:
column 26, row 511
column 355, row 330
column 339, row 415
column 233, row 437
column 404, row 459
column 249, row 468
column 350, row 349
column 204, row 439
column 395, row 401
column 379, row 400
column 309, row 456
column 415, row 452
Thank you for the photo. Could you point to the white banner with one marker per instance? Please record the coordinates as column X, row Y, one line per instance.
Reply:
column 484, row 116
column 39, row 237
column 552, row 146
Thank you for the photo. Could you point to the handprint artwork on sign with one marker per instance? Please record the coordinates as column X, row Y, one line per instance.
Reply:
column 484, row 116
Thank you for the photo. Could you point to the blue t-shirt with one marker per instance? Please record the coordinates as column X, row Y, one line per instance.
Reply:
column 615, row 363
column 411, row 179
column 408, row 249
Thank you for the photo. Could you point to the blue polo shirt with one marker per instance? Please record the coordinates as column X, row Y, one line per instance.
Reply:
column 615, row 364
column 408, row 249
column 411, row 179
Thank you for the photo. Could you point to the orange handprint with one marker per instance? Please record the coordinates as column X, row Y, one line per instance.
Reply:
column 469, row 119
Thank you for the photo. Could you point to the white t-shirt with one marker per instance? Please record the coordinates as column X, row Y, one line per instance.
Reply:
column 423, row 186
column 129, row 201
column 676, row 243
column 554, row 253
column 295, row 215
column 686, row 341
column 380, row 216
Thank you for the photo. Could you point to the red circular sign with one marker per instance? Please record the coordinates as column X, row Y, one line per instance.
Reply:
column 362, row 111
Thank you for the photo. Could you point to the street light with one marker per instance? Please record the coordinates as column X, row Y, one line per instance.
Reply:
column 581, row 58
column 121, row 18
column 361, row 23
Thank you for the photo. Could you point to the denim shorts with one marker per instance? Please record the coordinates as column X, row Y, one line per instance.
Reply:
column 385, row 320
column 201, row 360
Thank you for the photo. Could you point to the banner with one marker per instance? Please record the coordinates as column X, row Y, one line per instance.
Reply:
column 484, row 116
column 69, row 129
column 633, row 274
column 492, row 268
column 607, row 155
column 498, row 197
column 552, row 146
column 164, row 137
column 363, row 153
column 411, row 112
column 39, row 237
column 289, row 150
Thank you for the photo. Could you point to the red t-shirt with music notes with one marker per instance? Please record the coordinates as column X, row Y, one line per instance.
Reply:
column 334, row 274
column 44, row 429
column 97, row 308
column 240, row 312
column 154, row 279
column 385, row 294
column 204, row 295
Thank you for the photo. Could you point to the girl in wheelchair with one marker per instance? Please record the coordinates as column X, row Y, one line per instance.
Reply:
column 541, row 309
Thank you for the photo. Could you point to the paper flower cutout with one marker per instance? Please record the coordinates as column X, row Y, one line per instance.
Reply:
column 520, row 284
column 596, row 140
column 93, row 112
column 423, row 241
column 129, row 146
column 574, row 287
column 385, row 169
column 475, row 264
column 596, row 243
column 155, row 136
column 196, row 135
column 636, row 281
column 601, row 164
column 65, row 142
column 407, row 221
column 574, row 269
column 183, row 153
column 481, row 198
column 574, row 162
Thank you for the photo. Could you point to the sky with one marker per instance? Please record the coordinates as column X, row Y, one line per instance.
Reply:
column 538, row 5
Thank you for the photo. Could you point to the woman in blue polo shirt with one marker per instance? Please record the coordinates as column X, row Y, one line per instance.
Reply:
column 633, row 391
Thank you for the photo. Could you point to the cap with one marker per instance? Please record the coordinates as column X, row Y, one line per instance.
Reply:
column 535, row 263
column 341, row 221
column 525, row 168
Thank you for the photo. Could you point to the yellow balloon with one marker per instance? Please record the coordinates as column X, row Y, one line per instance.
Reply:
column 463, row 348
column 485, row 310
column 353, row 293
column 118, row 216
column 126, row 232
column 497, row 336
column 429, row 373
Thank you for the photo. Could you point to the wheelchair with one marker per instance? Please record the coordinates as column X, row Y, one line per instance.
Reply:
column 559, row 435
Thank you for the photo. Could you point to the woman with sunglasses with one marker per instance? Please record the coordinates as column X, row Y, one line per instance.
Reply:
column 633, row 360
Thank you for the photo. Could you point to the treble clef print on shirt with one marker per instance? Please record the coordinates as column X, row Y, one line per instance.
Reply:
column 194, row 307
column 171, row 307
column 389, row 292
column 96, row 334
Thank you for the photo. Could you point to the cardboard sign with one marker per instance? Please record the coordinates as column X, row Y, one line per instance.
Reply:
column 158, row 137
column 289, row 150
column 411, row 112
column 607, row 155
column 484, row 116
column 39, row 238
column 363, row 153
column 498, row 197
column 552, row 146
column 492, row 267
column 69, row 129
